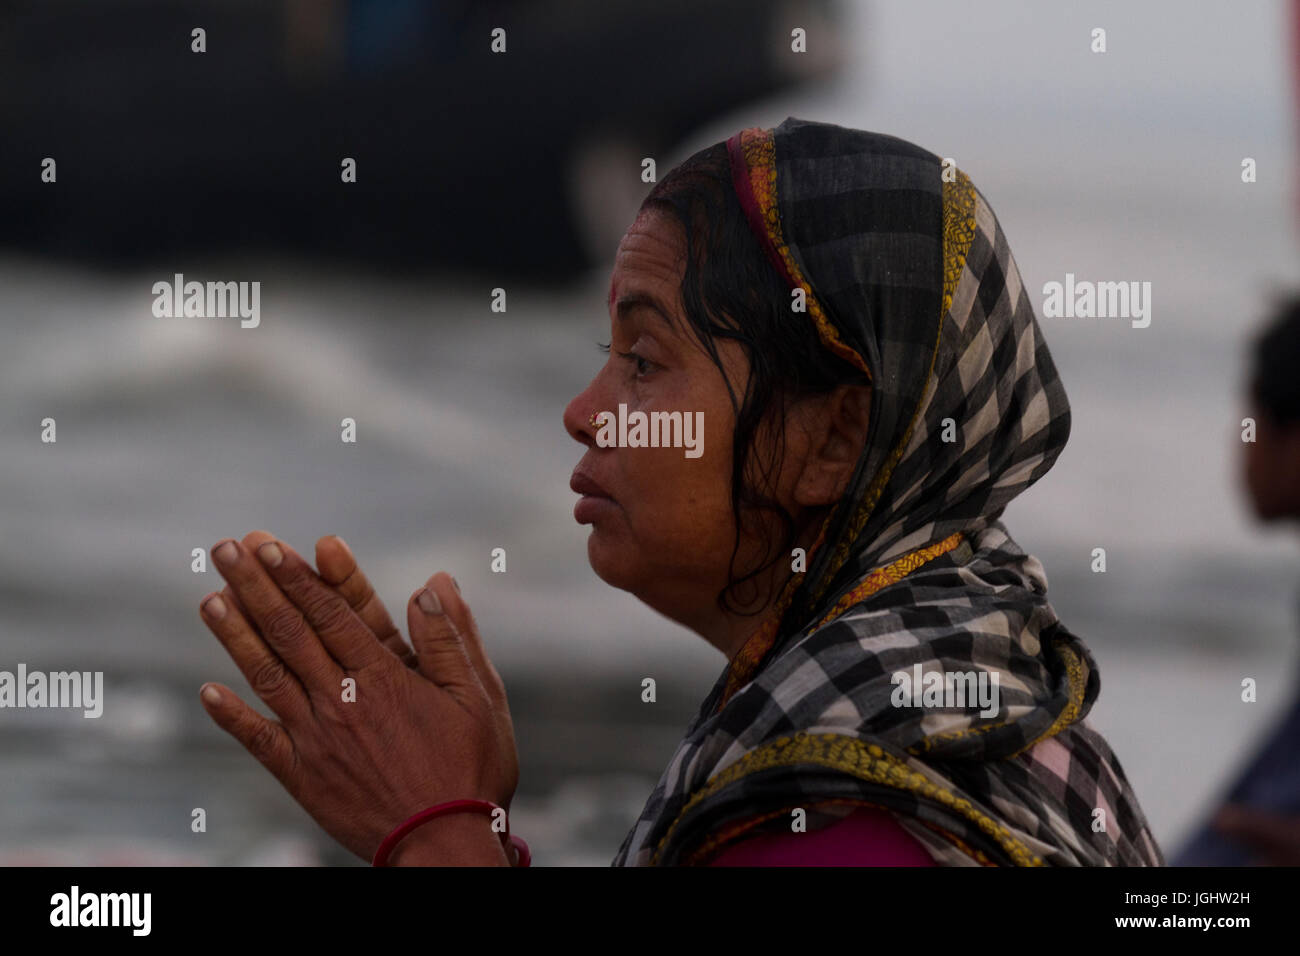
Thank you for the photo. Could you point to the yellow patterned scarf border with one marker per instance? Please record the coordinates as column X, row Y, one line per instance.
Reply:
column 958, row 232
column 891, row 574
column 862, row 760
column 759, row 150
column 742, row 667
column 1076, row 672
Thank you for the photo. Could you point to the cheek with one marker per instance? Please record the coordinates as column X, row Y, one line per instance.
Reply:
column 676, row 510
column 674, row 527
column 673, row 496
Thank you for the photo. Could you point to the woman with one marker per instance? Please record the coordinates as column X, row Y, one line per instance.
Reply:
column 843, row 315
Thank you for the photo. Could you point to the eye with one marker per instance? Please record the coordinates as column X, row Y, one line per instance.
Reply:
column 643, row 365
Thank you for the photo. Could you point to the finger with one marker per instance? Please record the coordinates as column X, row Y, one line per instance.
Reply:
column 338, row 568
column 228, row 593
column 275, row 617
column 343, row 634
column 458, row 610
column 265, row 673
column 252, row 541
column 264, row 739
column 437, row 642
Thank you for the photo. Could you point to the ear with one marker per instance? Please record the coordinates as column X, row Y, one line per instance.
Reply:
column 836, row 425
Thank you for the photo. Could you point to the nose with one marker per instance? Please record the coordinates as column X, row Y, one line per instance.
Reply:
column 577, row 416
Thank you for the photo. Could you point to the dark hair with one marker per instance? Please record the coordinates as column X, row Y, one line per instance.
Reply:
column 730, row 290
column 1275, row 372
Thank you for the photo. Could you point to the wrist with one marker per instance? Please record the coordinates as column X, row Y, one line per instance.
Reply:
column 457, row 839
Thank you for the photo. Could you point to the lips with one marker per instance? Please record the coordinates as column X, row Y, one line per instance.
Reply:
column 586, row 486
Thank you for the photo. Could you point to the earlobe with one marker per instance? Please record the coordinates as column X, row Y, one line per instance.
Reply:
column 821, row 483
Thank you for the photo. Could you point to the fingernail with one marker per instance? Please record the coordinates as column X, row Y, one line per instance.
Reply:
column 428, row 602
column 455, row 585
column 226, row 553
column 270, row 554
column 214, row 607
column 210, row 694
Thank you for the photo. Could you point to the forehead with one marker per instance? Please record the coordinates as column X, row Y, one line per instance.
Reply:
column 650, row 258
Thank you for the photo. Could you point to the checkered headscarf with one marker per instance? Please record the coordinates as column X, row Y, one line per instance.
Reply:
column 908, row 276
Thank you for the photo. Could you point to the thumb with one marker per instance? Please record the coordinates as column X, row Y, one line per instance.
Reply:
column 439, row 647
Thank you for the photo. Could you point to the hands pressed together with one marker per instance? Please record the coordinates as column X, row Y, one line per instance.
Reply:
column 370, row 730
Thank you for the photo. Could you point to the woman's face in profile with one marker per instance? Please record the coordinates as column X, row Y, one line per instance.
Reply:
column 664, row 530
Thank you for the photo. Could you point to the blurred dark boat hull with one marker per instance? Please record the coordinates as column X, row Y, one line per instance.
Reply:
column 463, row 156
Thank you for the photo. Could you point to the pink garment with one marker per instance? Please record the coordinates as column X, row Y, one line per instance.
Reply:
column 866, row 837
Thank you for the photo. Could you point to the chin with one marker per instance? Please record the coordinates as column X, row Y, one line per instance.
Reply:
column 611, row 561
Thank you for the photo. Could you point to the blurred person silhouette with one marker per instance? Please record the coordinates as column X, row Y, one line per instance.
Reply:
column 1258, row 821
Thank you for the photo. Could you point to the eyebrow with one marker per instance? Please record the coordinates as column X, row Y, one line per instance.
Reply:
column 636, row 300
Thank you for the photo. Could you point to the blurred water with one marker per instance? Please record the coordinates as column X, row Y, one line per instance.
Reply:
column 174, row 433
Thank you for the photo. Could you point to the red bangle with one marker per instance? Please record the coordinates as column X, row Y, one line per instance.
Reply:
column 522, row 855
column 452, row 806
